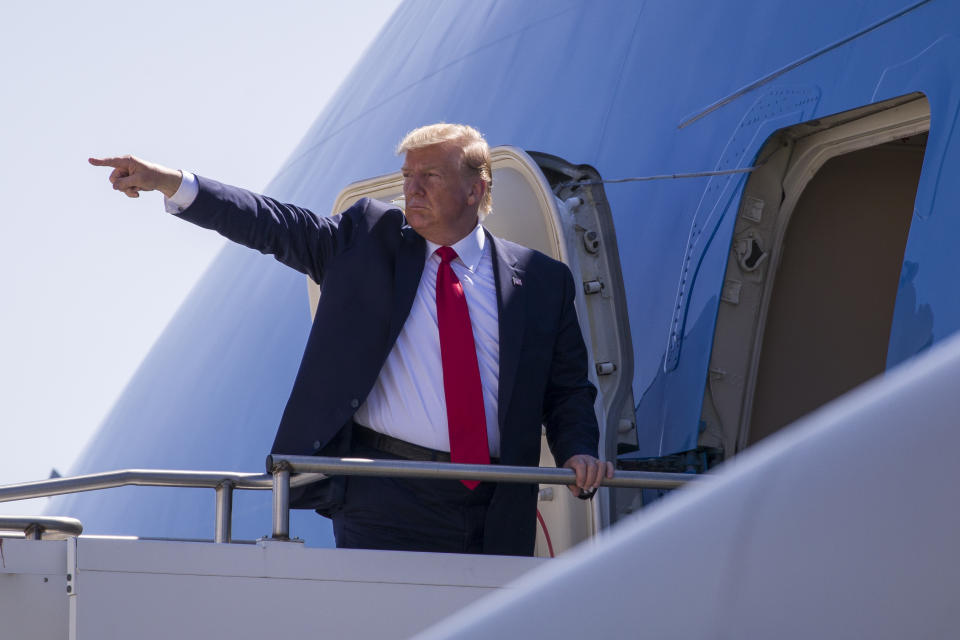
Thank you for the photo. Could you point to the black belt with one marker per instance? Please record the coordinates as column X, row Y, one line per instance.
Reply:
column 394, row 446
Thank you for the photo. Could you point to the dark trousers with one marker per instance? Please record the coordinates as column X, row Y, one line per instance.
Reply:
column 409, row 514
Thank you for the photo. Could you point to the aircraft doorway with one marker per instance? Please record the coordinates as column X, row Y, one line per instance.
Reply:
column 829, row 319
column 814, row 266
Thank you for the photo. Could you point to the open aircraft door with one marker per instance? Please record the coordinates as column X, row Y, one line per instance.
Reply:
column 815, row 268
column 559, row 209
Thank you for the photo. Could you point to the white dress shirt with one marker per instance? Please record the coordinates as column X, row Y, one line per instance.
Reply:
column 407, row 401
column 185, row 195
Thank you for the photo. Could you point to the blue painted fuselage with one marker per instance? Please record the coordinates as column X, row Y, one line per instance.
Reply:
column 632, row 88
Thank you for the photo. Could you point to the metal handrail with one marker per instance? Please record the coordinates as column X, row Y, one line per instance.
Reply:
column 34, row 527
column 138, row 477
column 283, row 466
column 310, row 469
column 454, row 471
column 224, row 482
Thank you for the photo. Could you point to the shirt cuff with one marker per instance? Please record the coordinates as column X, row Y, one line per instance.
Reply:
column 185, row 195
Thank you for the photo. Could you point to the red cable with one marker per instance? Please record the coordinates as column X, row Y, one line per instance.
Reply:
column 546, row 534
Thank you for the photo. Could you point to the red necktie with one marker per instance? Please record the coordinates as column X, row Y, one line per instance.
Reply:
column 466, row 420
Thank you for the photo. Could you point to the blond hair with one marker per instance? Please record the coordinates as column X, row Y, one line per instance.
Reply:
column 476, row 152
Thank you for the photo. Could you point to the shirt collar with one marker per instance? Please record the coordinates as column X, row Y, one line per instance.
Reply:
column 469, row 249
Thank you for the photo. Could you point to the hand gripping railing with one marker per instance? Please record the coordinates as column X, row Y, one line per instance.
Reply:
column 282, row 466
column 309, row 469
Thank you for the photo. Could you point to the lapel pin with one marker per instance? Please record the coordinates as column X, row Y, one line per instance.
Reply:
column 517, row 281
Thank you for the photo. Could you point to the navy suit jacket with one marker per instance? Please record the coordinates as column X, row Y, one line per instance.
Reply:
column 368, row 262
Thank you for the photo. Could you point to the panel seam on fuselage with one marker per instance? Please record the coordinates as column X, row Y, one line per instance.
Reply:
column 793, row 65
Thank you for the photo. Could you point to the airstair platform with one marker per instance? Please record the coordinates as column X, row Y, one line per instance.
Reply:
column 102, row 587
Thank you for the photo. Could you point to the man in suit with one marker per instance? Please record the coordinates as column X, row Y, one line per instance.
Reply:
column 433, row 340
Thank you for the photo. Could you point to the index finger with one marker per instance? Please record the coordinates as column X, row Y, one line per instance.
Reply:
column 109, row 162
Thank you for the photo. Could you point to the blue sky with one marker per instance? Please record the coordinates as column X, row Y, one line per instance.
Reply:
column 90, row 277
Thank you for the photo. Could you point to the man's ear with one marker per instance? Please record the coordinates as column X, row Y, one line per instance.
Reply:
column 477, row 189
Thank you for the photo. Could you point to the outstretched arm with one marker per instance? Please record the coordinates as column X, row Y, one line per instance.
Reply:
column 131, row 175
column 293, row 235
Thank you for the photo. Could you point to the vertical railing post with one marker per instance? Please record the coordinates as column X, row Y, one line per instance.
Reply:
column 224, row 518
column 33, row 532
column 281, row 503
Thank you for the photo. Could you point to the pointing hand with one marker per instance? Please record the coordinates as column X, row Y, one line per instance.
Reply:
column 132, row 175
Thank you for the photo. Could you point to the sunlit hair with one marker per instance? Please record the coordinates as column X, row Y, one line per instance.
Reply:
column 476, row 153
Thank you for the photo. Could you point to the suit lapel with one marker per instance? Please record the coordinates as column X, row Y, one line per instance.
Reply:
column 511, row 305
column 410, row 260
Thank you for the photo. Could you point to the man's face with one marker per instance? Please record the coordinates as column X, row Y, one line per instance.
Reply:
column 441, row 202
